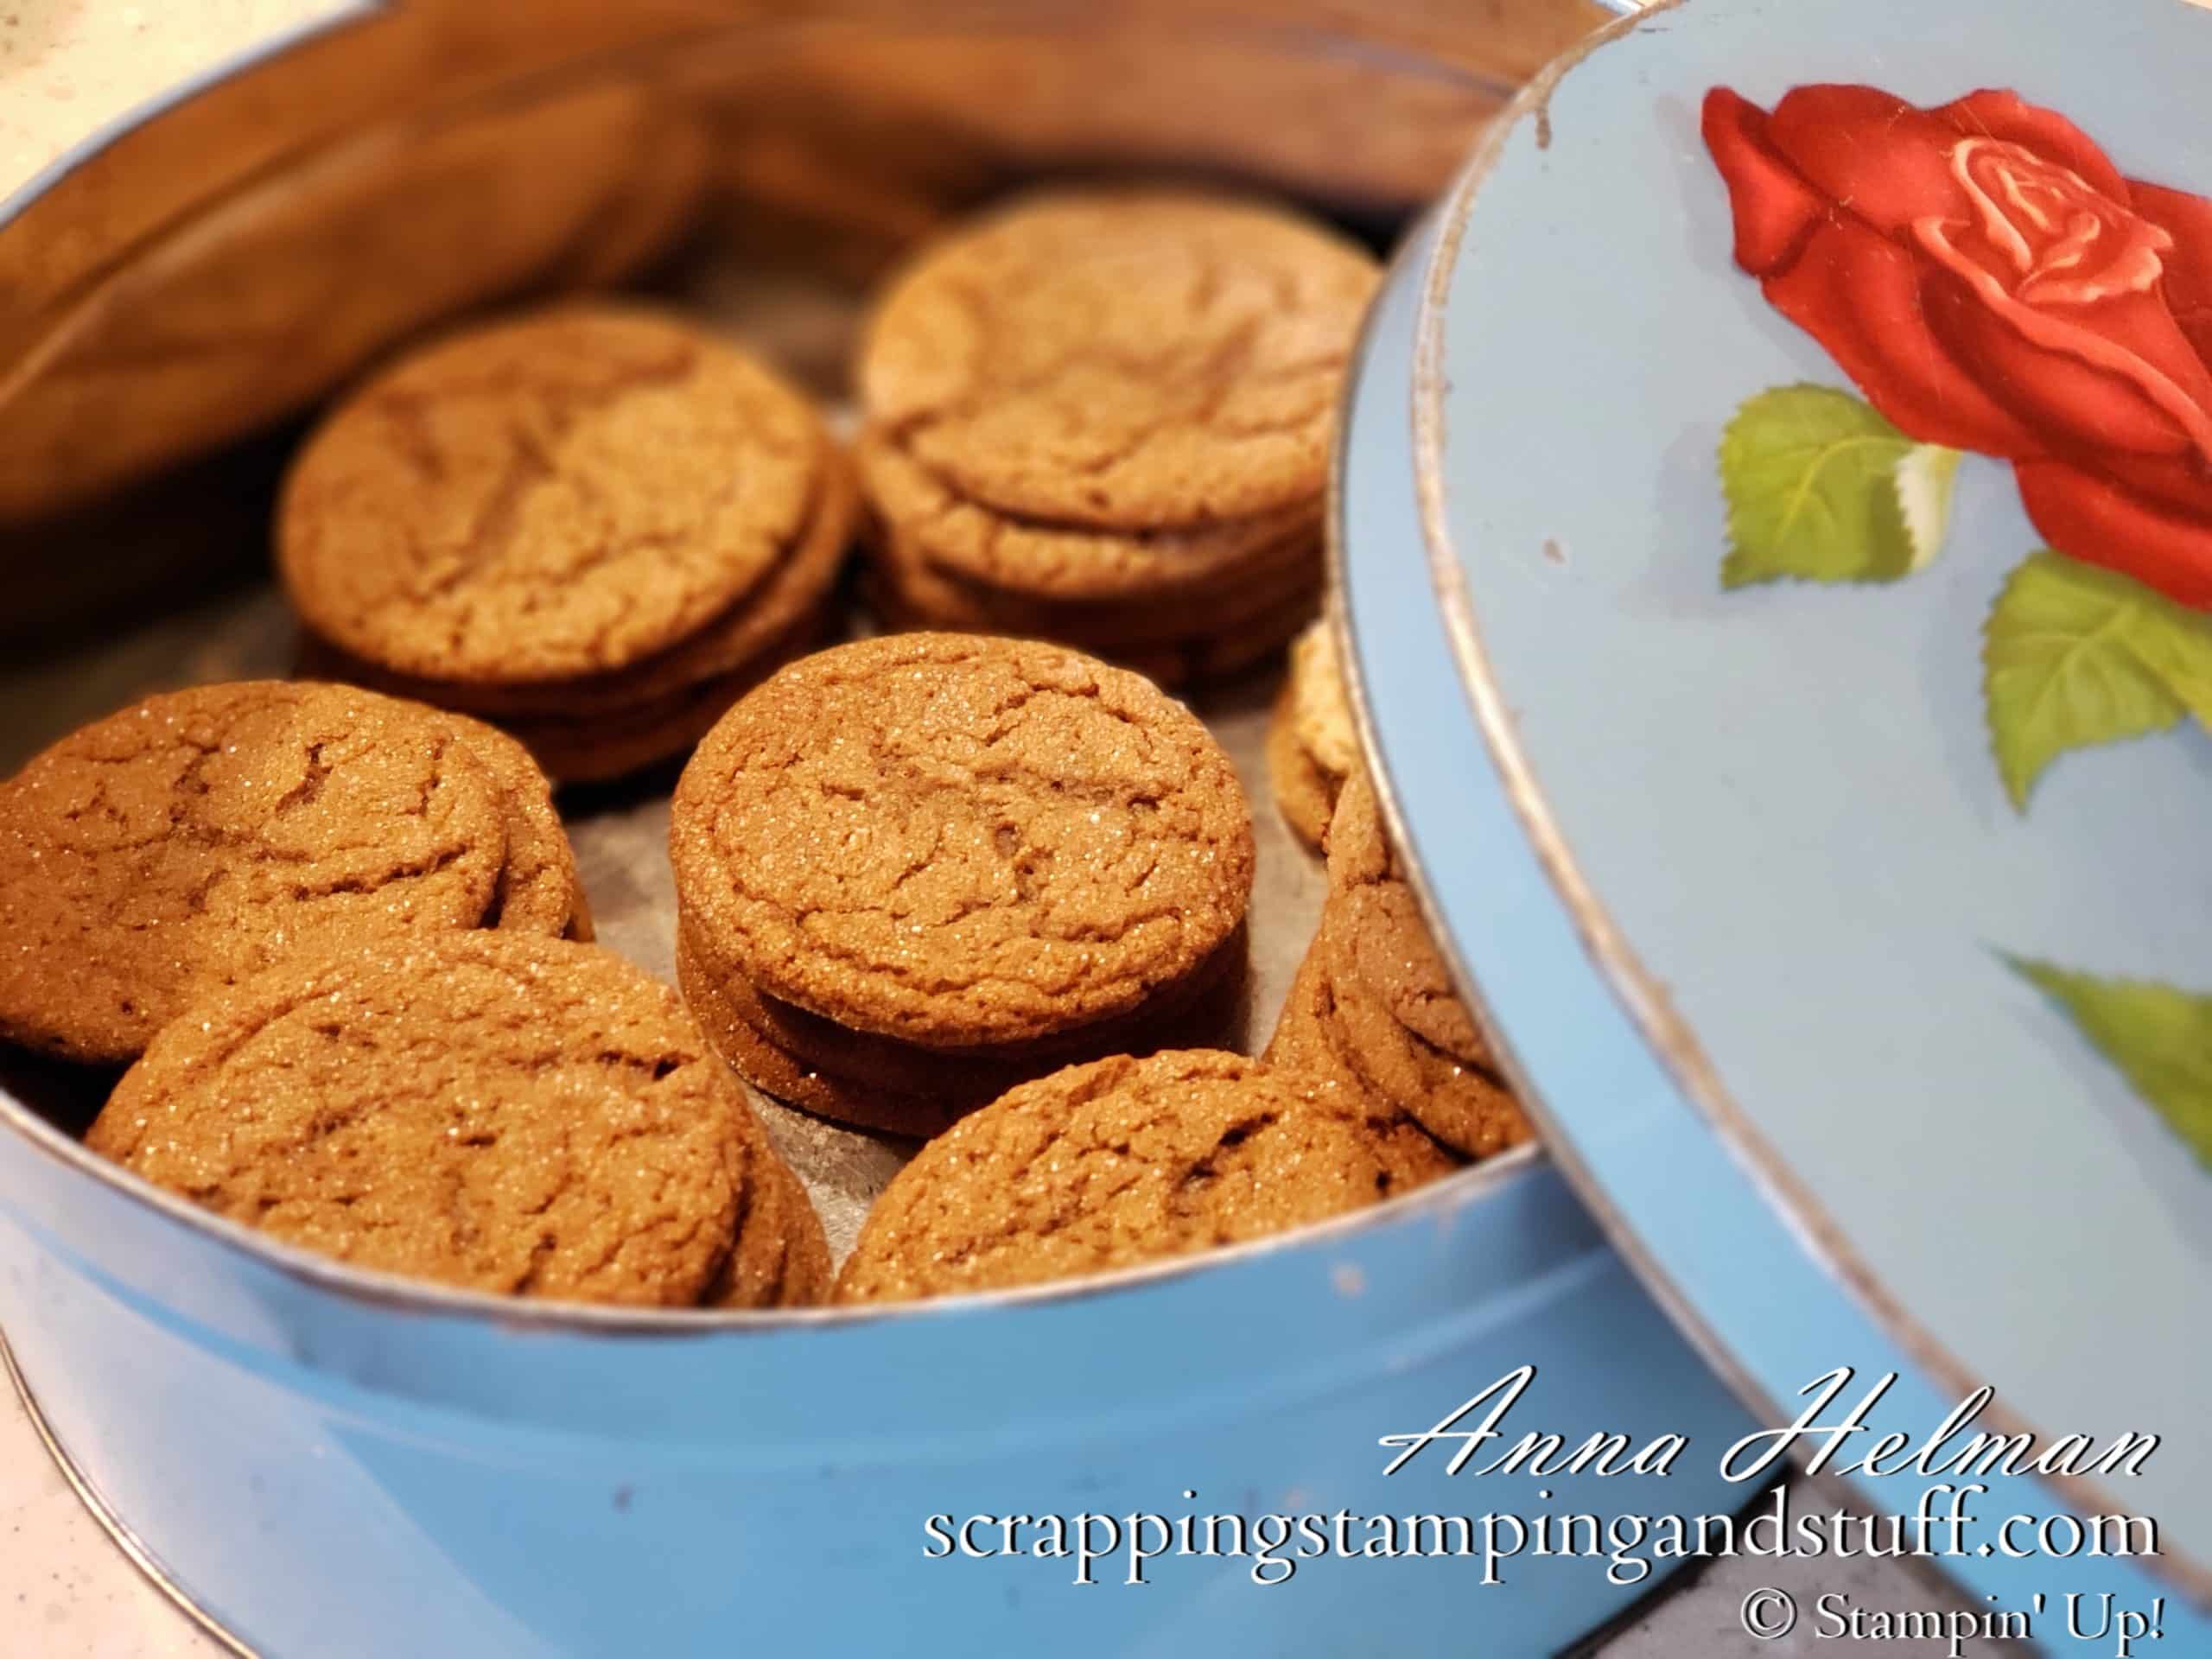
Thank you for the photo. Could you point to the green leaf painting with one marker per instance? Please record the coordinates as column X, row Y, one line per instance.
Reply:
column 1821, row 488
column 2159, row 1037
column 2073, row 655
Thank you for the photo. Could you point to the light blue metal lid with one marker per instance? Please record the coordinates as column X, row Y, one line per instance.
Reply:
column 1827, row 850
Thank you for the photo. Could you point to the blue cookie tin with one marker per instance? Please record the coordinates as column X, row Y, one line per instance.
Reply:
column 1529, row 539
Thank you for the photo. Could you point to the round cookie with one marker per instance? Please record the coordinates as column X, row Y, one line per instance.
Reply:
column 764, row 620
column 781, row 1258
column 1219, row 611
column 1305, row 793
column 1037, row 560
column 1396, row 1019
column 190, row 840
column 1378, row 940
column 1358, row 848
column 538, row 890
column 1382, row 940
column 753, row 1052
column 1112, row 1163
column 598, row 746
column 1312, row 739
column 1302, row 1043
column 1321, row 709
column 561, row 495
column 1466, row 1107
column 1126, row 359
column 508, row 1114
column 957, row 841
column 1199, row 659
column 879, row 1083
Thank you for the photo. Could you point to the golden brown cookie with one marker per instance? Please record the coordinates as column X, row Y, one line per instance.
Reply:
column 1039, row 561
column 190, row 840
column 904, row 1089
column 727, row 1011
column 508, row 1114
column 1394, row 1017
column 1466, row 1106
column 1204, row 658
column 598, row 746
column 1130, row 360
column 1196, row 617
column 958, row 840
column 1304, row 1042
column 561, row 495
column 1312, row 740
column 1304, row 793
column 1115, row 1162
column 1379, row 940
column 731, row 645
column 538, row 890
column 1208, row 661
column 781, row 1258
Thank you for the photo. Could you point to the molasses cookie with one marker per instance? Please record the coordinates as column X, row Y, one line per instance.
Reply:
column 904, row 1088
column 1102, row 417
column 987, row 850
column 1379, row 1005
column 1115, row 1162
column 1306, row 1041
column 1313, row 743
column 538, row 890
column 594, row 517
column 1047, row 563
column 1126, row 359
column 525, row 1116
column 193, row 838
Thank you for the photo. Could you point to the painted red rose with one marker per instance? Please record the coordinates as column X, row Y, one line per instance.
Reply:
column 1991, row 283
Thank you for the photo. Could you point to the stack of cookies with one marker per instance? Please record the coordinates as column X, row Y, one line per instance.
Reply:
column 1374, row 1006
column 1125, row 1160
column 1313, row 741
column 1104, row 417
column 913, row 871
column 501, row 1113
column 156, row 856
column 595, row 526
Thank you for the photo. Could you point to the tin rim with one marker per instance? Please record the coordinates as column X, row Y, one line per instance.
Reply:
column 1638, row 991
column 396, row 1291
column 119, row 1532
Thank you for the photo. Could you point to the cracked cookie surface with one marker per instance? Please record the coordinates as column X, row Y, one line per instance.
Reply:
column 189, row 839
column 558, row 496
column 760, row 623
column 1116, row 1162
column 1130, row 360
column 957, row 841
column 493, row 1111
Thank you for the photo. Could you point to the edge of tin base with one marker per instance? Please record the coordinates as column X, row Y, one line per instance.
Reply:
column 118, row 1530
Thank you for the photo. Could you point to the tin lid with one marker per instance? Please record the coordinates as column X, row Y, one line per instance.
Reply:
column 1813, row 457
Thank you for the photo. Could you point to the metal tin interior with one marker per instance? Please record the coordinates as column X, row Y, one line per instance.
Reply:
column 837, row 135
